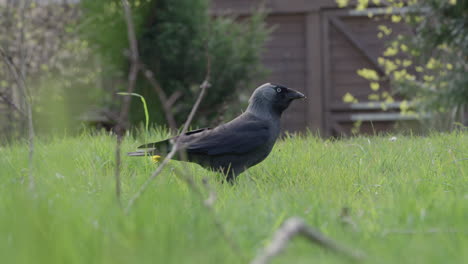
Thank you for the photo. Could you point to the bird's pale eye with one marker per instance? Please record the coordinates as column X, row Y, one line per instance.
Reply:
column 278, row 90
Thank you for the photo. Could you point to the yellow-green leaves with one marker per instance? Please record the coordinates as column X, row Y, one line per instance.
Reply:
column 396, row 19
column 385, row 30
column 390, row 51
column 362, row 4
column 369, row 74
column 342, row 3
column 349, row 98
column 431, row 64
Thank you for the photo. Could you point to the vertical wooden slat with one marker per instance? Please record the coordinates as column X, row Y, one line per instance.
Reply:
column 325, row 35
column 314, row 91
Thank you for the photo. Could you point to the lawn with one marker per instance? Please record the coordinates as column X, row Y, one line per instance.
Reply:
column 407, row 200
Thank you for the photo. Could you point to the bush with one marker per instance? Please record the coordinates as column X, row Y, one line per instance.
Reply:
column 174, row 39
column 428, row 67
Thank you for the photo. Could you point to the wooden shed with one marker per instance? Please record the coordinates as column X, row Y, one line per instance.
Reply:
column 317, row 48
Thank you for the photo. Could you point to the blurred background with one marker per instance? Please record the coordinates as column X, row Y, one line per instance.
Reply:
column 365, row 66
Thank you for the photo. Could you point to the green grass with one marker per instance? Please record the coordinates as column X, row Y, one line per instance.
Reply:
column 415, row 184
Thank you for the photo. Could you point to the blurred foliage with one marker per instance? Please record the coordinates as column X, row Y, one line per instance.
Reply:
column 429, row 66
column 41, row 41
column 175, row 38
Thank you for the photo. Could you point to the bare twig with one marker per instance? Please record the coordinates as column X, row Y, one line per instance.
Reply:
column 175, row 147
column 132, row 76
column 12, row 104
column 173, row 98
column 165, row 102
column 296, row 226
column 19, row 74
column 28, row 101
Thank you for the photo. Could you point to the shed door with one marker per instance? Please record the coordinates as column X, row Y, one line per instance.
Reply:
column 350, row 43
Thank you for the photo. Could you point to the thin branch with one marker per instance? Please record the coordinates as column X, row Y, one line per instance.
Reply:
column 19, row 74
column 173, row 98
column 294, row 227
column 28, row 101
column 175, row 147
column 165, row 102
column 11, row 104
column 132, row 76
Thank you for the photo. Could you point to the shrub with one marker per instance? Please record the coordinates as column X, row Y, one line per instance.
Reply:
column 428, row 67
column 174, row 38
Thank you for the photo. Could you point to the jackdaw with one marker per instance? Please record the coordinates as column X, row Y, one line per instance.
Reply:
column 239, row 144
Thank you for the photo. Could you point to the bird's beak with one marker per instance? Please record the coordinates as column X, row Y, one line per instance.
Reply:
column 295, row 95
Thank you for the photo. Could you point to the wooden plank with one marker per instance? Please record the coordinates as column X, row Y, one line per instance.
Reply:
column 314, row 91
column 364, row 106
column 374, row 117
column 342, row 27
column 383, row 11
column 326, row 74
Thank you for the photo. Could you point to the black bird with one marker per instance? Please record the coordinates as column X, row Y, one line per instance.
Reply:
column 239, row 144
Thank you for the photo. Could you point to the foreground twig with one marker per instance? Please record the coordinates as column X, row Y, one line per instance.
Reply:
column 122, row 122
column 175, row 147
column 293, row 227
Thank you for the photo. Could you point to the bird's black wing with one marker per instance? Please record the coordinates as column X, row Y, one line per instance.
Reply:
column 242, row 136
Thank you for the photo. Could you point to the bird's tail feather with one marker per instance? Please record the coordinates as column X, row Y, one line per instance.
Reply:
column 160, row 148
column 140, row 153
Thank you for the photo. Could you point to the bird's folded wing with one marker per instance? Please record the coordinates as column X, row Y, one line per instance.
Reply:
column 237, row 138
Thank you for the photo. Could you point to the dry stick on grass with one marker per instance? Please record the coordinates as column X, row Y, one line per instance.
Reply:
column 296, row 226
column 122, row 122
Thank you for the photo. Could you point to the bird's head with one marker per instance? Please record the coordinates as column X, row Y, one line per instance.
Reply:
column 273, row 97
